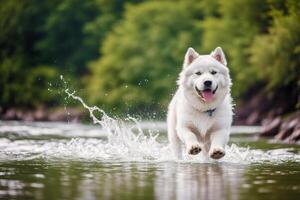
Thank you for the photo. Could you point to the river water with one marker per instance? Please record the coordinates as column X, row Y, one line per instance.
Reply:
column 128, row 159
column 132, row 160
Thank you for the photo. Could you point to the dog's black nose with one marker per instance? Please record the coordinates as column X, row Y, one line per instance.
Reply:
column 207, row 83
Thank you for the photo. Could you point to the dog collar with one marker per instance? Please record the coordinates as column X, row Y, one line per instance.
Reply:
column 210, row 112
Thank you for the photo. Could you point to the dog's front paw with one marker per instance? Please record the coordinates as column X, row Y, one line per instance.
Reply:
column 217, row 153
column 194, row 149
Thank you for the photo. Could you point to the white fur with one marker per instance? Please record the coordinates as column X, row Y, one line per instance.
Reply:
column 188, row 121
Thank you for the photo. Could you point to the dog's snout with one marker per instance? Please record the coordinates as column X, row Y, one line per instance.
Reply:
column 207, row 83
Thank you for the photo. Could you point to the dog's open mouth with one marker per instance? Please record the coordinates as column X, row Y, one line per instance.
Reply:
column 206, row 94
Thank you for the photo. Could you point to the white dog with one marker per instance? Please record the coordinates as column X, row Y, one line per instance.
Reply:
column 200, row 113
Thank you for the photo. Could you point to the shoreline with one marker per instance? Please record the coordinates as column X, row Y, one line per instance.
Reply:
column 285, row 129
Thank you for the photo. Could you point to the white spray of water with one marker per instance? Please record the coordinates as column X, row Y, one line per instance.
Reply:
column 123, row 142
column 126, row 142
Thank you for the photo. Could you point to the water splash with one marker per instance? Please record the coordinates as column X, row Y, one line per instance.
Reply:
column 133, row 144
column 119, row 141
column 118, row 132
column 136, row 150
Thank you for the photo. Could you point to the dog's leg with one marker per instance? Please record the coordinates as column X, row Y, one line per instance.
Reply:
column 219, row 139
column 175, row 144
column 190, row 139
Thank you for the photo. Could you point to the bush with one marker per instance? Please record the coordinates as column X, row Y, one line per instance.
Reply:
column 25, row 88
column 234, row 26
column 276, row 55
column 141, row 58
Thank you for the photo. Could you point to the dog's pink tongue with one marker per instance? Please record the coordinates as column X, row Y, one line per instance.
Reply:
column 207, row 95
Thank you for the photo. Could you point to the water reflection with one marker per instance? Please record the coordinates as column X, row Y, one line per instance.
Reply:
column 81, row 180
column 119, row 181
column 198, row 181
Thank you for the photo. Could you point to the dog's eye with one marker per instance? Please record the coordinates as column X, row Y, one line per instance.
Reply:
column 213, row 72
column 198, row 73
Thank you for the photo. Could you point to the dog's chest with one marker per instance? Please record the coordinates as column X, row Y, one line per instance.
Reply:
column 202, row 122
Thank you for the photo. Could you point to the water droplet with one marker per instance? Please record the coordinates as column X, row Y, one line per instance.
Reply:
column 271, row 181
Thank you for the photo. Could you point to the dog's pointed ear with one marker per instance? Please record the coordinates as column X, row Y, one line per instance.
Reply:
column 190, row 56
column 219, row 55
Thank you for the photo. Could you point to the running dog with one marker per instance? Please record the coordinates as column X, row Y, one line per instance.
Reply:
column 200, row 112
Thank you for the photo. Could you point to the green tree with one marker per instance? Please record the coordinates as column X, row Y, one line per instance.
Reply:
column 66, row 44
column 20, row 24
column 110, row 13
column 276, row 54
column 141, row 58
column 234, row 25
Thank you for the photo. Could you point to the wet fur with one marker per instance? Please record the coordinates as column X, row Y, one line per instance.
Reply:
column 188, row 121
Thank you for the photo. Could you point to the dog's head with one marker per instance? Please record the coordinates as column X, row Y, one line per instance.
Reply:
column 205, row 78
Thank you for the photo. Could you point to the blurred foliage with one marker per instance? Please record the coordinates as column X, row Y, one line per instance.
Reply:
column 23, row 82
column 276, row 55
column 25, row 88
column 66, row 43
column 234, row 25
column 141, row 58
column 126, row 55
